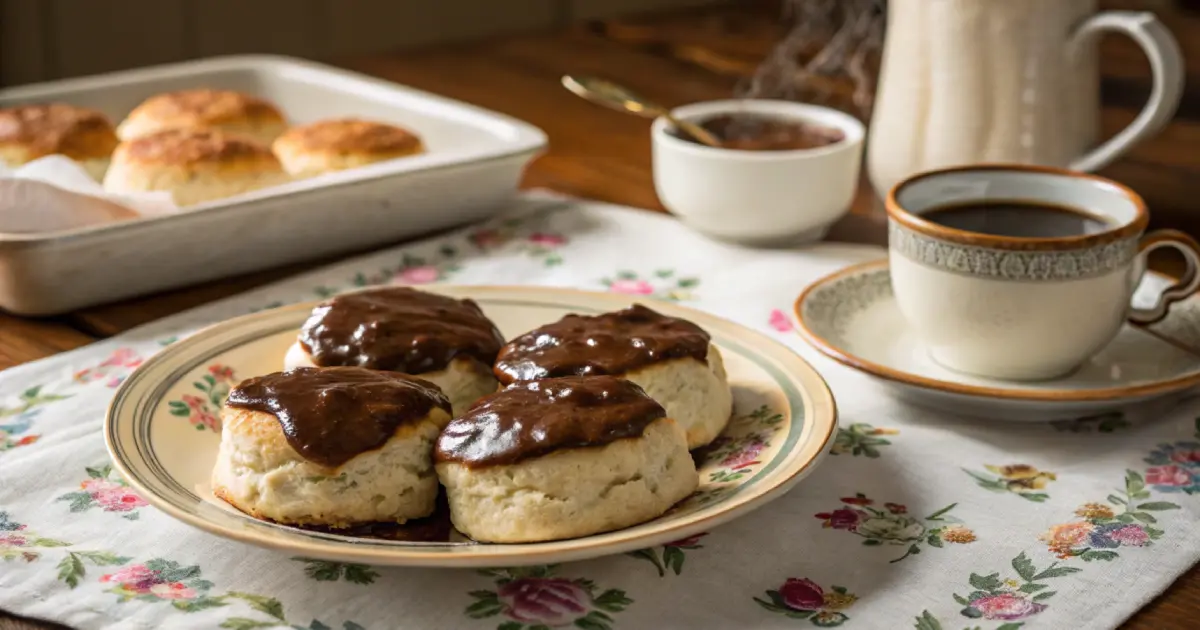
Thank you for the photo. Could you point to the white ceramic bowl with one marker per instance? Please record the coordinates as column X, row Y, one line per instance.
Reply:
column 758, row 197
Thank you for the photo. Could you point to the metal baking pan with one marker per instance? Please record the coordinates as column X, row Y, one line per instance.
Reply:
column 472, row 166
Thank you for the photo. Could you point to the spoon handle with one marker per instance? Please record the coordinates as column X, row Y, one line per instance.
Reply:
column 617, row 97
column 696, row 131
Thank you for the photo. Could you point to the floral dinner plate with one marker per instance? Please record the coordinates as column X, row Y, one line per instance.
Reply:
column 162, row 431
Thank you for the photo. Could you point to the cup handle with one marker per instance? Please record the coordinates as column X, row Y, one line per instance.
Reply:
column 1184, row 287
column 1166, row 65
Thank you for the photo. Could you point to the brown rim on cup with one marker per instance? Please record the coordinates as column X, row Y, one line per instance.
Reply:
column 918, row 224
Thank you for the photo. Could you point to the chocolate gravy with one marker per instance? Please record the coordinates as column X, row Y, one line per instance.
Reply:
column 755, row 132
column 612, row 343
column 399, row 329
column 329, row 415
column 528, row 420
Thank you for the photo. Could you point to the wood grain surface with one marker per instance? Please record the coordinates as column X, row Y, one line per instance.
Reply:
column 676, row 58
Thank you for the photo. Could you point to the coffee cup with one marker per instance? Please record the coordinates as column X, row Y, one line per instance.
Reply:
column 1023, row 272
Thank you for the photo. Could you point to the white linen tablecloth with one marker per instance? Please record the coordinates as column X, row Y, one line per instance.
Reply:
column 919, row 519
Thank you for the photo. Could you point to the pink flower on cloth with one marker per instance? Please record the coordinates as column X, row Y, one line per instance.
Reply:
column 1168, row 476
column 1186, row 457
column 423, row 274
column 13, row 540
column 547, row 239
column 843, row 518
column 631, row 287
column 1130, row 535
column 552, row 602
column 802, row 594
column 112, row 496
column 1006, row 607
column 780, row 321
column 122, row 357
column 135, row 579
column 172, row 590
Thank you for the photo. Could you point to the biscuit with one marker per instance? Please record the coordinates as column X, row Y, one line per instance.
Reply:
column 671, row 358
column 444, row 340
column 562, row 458
column 32, row 131
column 194, row 165
column 229, row 111
column 261, row 472
column 335, row 145
column 463, row 381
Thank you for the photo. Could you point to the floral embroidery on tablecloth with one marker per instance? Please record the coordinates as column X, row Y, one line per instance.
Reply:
column 162, row 580
column 736, row 452
column 326, row 571
column 664, row 284
column 159, row 579
column 926, row 621
column 107, row 491
column 532, row 598
column 413, row 270
column 802, row 598
column 116, row 367
column 1175, row 467
column 11, row 431
column 1011, row 599
column 1022, row 480
column 203, row 412
column 893, row 526
column 543, row 245
column 1099, row 528
column 671, row 555
column 15, row 421
column 16, row 541
column 780, row 321
column 861, row 438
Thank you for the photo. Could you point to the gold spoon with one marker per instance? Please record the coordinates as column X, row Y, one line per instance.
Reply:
column 614, row 96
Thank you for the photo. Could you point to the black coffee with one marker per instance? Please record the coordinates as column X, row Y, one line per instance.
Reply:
column 1017, row 219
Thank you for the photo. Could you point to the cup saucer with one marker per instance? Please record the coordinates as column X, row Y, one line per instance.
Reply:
column 852, row 317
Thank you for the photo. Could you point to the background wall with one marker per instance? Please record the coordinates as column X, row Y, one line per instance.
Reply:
column 51, row 39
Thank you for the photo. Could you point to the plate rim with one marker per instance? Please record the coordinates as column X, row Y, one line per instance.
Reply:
column 830, row 349
column 819, row 407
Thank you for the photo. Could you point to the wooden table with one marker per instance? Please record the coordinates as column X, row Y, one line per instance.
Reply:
column 600, row 154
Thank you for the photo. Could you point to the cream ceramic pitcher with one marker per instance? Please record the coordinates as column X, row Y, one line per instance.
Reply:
column 1015, row 81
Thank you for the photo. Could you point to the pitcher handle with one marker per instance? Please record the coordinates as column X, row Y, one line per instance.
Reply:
column 1184, row 287
column 1166, row 64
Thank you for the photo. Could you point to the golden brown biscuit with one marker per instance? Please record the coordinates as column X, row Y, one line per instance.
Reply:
column 219, row 109
column 334, row 145
column 32, row 131
column 194, row 165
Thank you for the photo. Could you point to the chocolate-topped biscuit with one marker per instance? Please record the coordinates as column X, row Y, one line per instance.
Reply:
column 399, row 329
column 528, row 420
column 562, row 458
column 330, row 415
column 611, row 343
